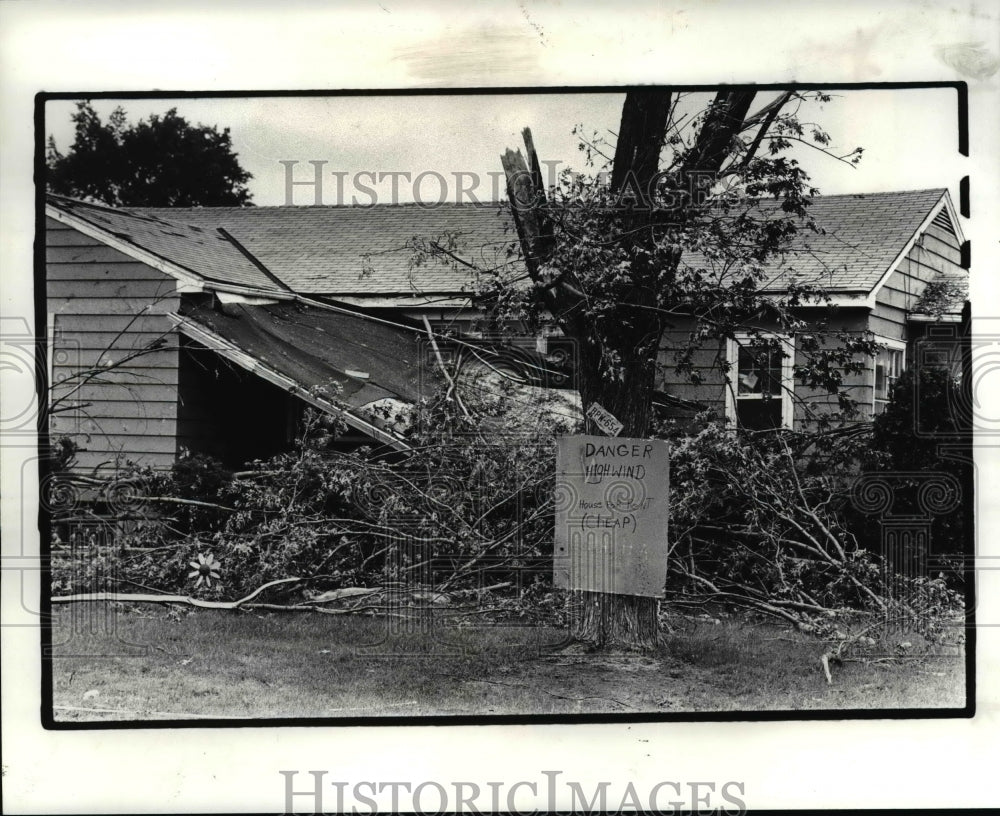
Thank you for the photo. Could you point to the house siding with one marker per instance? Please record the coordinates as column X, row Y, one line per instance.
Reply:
column 853, row 322
column 104, row 305
column 711, row 391
column 936, row 252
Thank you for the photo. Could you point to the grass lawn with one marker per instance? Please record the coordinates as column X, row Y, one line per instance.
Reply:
column 160, row 663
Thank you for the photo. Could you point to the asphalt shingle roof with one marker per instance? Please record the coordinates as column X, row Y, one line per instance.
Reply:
column 201, row 249
column 861, row 236
column 360, row 250
column 344, row 251
column 317, row 347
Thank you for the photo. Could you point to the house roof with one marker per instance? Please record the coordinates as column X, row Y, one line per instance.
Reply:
column 199, row 249
column 352, row 251
column 369, row 251
column 861, row 236
column 364, row 360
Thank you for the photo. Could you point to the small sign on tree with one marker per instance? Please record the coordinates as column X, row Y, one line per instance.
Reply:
column 606, row 422
column 612, row 508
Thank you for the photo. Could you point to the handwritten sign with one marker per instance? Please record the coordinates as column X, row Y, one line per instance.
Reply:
column 612, row 504
column 606, row 422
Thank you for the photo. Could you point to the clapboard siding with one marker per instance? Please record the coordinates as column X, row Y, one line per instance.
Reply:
column 125, row 409
column 935, row 252
column 106, row 306
column 103, row 336
column 136, row 293
column 712, row 390
column 145, row 358
column 115, row 426
column 855, row 323
column 103, row 261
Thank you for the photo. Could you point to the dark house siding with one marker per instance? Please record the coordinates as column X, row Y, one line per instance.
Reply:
column 854, row 322
column 711, row 391
column 936, row 252
column 104, row 306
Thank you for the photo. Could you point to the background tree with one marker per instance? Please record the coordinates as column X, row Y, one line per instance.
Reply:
column 162, row 161
column 676, row 230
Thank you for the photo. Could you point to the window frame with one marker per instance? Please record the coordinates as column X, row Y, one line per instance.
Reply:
column 891, row 345
column 787, row 377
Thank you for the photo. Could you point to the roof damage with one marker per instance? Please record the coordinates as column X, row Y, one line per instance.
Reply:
column 342, row 363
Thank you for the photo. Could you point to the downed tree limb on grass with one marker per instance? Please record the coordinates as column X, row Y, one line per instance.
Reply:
column 127, row 597
column 383, row 597
column 825, row 660
column 836, row 654
column 341, row 594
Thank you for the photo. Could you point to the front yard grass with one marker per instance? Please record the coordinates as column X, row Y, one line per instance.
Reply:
column 143, row 663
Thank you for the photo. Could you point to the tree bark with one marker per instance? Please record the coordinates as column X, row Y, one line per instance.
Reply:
column 625, row 622
column 604, row 620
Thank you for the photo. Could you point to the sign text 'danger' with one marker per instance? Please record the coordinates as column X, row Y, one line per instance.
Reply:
column 611, row 515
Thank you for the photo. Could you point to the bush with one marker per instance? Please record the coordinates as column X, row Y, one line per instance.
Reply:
column 756, row 524
column 926, row 430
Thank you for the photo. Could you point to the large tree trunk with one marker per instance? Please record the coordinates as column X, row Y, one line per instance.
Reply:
column 633, row 332
column 603, row 620
column 606, row 620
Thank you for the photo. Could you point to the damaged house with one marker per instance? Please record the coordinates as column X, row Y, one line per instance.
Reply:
column 210, row 329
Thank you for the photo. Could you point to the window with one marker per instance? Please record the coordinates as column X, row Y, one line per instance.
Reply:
column 889, row 364
column 760, row 398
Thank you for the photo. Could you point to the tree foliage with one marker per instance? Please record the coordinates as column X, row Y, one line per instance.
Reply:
column 676, row 230
column 162, row 161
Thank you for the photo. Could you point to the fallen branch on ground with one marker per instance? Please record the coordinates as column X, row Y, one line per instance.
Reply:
column 127, row 597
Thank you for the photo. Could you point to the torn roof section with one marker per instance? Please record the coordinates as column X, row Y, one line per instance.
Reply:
column 336, row 360
column 203, row 251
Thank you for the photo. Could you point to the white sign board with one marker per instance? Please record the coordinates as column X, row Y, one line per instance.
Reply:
column 612, row 504
column 606, row 422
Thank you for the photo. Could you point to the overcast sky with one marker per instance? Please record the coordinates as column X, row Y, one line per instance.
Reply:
column 909, row 136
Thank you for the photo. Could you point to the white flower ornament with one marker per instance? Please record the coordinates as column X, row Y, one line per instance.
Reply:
column 205, row 569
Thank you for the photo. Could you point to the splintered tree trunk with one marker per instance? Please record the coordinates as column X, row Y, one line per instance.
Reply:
column 604, row 620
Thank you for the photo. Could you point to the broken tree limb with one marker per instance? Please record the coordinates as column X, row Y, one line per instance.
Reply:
column 341, row 594
column 127, row 597
column 825, row 660
column 452, row 390
column 189, row 502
